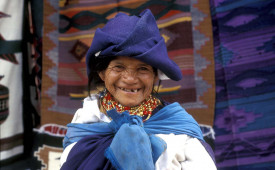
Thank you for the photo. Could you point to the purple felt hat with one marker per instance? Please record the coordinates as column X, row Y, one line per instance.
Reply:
column 133, row 36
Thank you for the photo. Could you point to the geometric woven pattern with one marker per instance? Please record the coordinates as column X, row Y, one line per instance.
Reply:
column 69, row 30
column 244, row 39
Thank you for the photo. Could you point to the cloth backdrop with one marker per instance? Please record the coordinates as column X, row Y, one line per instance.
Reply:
column 68, row 32
column 225, row 49
column 11, row 91
column 244, row 38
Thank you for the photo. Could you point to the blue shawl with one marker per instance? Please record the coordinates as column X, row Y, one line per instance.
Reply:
column 134, row 144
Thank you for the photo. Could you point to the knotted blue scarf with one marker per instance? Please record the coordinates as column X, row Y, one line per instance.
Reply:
column 134, row 138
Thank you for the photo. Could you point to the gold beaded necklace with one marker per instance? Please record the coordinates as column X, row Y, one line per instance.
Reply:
column 144, row 110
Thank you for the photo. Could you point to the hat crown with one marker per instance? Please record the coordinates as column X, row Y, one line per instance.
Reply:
column 121, row 25
column 131, row 30
column 133, row 36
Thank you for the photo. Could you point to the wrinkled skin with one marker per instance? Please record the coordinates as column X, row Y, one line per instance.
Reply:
column 129, row 80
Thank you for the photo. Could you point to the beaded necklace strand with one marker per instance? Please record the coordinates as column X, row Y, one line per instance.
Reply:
column 144, row 110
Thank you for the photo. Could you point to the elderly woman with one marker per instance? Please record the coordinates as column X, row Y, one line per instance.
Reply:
column 126, row 125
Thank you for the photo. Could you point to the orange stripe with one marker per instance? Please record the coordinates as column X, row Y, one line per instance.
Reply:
column 5, row 96
column 180, row 52
column 100, row 7
column 170, row 13
column 72, row 30
column 187, row 72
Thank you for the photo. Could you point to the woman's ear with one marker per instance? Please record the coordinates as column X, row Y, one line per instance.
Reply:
column 102, row 75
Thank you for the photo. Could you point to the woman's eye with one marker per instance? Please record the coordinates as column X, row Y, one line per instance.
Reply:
column 143, row 69
column 118, row 68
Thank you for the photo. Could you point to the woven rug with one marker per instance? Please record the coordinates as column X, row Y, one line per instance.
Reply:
column 68, row 32
column 244, row 38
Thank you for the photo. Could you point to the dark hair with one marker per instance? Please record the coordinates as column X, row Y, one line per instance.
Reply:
column 97, row 65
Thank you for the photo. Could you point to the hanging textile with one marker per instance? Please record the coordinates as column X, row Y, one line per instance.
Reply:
column 68, row 32
column 11, row 119
column 244, row 38
column 68, row 37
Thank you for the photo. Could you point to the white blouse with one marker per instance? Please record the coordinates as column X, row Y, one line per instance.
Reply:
column 183, row 152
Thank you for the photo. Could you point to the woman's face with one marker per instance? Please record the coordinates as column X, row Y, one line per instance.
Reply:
column 129, row 80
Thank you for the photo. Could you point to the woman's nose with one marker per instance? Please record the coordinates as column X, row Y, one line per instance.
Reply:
column 130, row 76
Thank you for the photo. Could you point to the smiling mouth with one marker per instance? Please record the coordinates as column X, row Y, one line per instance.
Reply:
column 129, row 90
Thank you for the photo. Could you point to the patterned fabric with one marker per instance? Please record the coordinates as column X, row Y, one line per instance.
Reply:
column 243, row 52
column 11, row 90
column 244, row 39
column 69, row 29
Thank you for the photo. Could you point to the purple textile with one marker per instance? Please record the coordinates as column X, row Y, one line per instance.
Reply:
column 88, row 153
column 244, row 40
column 209, row 150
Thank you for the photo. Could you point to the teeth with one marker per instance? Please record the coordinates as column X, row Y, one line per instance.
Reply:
column 130, row 90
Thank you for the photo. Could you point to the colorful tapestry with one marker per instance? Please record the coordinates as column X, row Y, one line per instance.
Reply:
column 68, row 32
column 244, row 38
column 11, row 119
